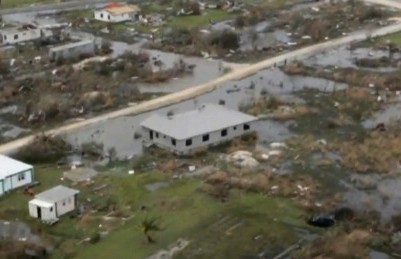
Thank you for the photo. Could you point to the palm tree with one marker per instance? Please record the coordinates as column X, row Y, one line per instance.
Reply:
column 150, row 225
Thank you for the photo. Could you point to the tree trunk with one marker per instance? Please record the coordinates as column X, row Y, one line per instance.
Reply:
column 150, row 239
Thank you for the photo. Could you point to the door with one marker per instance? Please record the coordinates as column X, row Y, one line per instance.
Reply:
column 151, row 134
column 39, row 212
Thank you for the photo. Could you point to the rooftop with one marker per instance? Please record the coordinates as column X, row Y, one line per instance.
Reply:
column 56, row 194
column 71, row 45
column 122, row 9
column 208, row 118
column 9, row 166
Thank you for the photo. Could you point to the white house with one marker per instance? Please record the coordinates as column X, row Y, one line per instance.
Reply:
column 53, row 203
column 193, row 130
column 72, row 50
column 16, row 35
column 14, row 174
column 115, row 13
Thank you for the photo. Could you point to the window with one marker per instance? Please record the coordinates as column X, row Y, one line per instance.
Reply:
column 173, row 142
column 5, row 37
column 108, row 17
column 247, row 126
column 16, row 37
column 224, row 132
column 63, row 202
column 51, row 209
column 205, row 137
column 157, row 135
column 101, row 15
column 188, row 142
column 235, row 127
column 21, row 176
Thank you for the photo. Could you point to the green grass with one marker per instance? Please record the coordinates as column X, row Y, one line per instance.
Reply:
column 184, row 210
column 193, row 21
column 394, row 38
column 18, row 3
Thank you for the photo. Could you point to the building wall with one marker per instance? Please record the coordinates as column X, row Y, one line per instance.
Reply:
column 47, row 213
column 20, row 36
column 1, row 187
column 215, row 138
column 17, row 180
column 105, row 16
column 65, row 206
column 73, row 52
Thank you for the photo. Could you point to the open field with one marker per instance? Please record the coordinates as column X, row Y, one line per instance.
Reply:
column 184, row 212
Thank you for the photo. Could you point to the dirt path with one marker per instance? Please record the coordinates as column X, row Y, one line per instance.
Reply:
column 204, row 88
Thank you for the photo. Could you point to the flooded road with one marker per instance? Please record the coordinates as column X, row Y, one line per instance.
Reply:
column 233, row 94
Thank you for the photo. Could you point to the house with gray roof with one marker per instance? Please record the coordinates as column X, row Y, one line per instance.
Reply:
column 53, row 203
column 14, row 174
column 194, row 130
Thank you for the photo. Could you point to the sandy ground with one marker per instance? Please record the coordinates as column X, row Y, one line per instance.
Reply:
column 235, row 74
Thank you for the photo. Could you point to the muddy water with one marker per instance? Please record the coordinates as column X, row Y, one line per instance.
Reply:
column 343, row 57
column 119, row 132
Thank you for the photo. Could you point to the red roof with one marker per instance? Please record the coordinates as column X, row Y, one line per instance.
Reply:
column 113, row 4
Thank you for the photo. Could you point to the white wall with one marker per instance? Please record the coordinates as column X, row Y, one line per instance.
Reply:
column 215, row 138
column 73, row 52
column 65, row 206
column 103, row 15
column 21, row 179
column 20, row 36
column 47, row 213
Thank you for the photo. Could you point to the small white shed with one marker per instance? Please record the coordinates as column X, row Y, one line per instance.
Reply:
column 14, row 174
column 53, row 203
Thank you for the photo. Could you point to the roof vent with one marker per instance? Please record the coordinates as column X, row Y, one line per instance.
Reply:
column 202, row 107
column 170, row 115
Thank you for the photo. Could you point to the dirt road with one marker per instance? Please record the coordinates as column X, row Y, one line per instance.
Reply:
column 204, row 88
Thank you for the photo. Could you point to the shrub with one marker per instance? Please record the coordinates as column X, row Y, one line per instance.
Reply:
column 94, row 238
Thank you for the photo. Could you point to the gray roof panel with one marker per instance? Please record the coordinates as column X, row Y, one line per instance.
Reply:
column 56, row 194
column 208, row 118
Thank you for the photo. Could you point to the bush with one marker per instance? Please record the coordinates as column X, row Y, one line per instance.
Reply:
column 44, row 149
column 226, row 39
column 94, row 238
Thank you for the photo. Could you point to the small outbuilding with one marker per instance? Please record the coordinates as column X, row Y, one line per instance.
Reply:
column 191, row 131
column 72, row 50
column 16, row 35
column 117, row 12
column 14, row 174
column 53, row 203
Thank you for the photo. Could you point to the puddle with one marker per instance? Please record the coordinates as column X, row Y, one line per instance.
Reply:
column 384, row 198
column 343, row 57
column 391, row 113
column 233, row 94
column 18, row 231
column 373, row 254
column 152, row 187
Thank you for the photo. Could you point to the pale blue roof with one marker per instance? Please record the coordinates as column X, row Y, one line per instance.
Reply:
column 10, row 166
column 208, row 118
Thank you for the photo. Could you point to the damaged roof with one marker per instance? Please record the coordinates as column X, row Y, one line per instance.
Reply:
column 208, row 118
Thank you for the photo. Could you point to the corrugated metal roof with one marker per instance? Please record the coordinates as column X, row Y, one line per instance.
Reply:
column 72, row 45
column 56, row 194
column 123, row 9
column 207, row 119
column 41, row 203
column 10, row 166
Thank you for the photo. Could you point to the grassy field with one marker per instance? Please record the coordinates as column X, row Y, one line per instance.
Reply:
column 394, row 38
column 17, row 3
column 223, row 230
column 193, row 21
